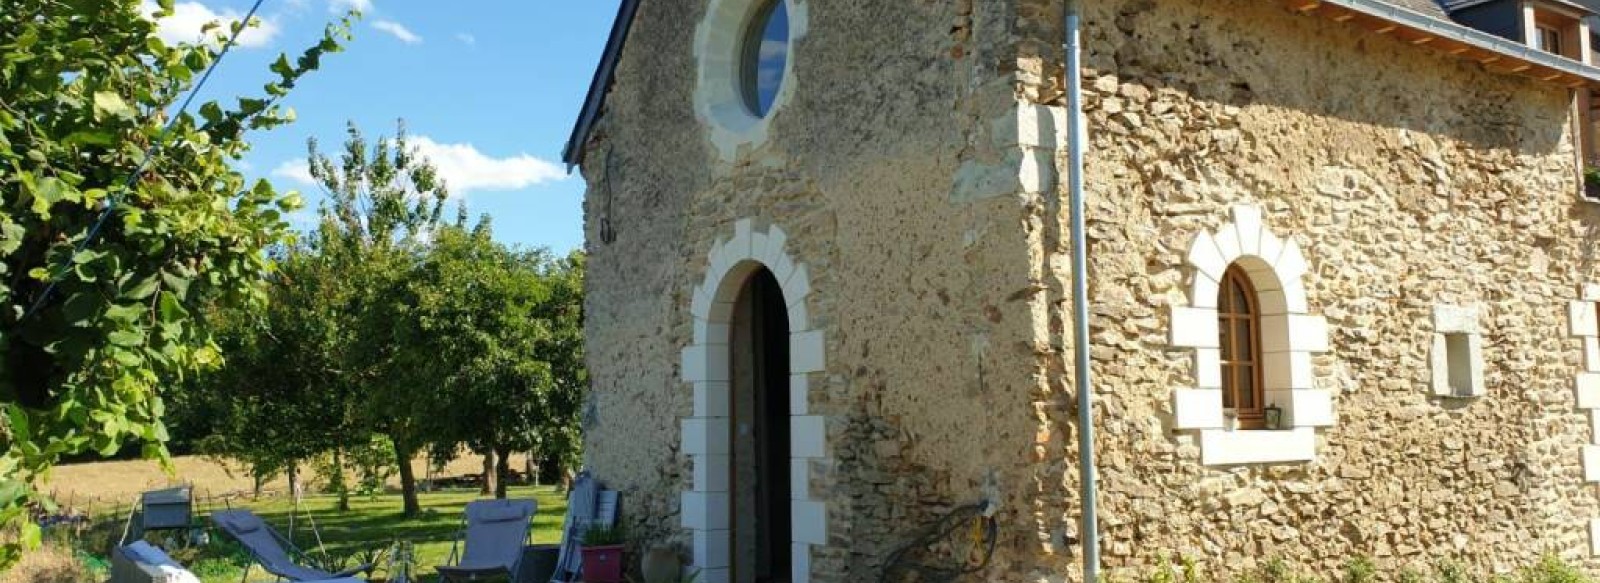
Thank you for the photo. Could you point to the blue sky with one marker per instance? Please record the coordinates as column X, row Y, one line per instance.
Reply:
column 488, row 88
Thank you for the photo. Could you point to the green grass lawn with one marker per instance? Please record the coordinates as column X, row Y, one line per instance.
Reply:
column 371, row 523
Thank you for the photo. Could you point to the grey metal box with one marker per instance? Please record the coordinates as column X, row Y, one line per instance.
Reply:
column 170, row 508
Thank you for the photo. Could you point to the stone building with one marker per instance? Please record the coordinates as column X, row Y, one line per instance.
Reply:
column 1343, row 280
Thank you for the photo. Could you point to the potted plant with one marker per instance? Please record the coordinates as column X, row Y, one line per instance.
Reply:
column 602, row 554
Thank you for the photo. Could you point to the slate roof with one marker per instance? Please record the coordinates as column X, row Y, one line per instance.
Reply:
column 1428, row 7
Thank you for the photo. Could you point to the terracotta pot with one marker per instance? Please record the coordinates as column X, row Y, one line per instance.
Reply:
column 661, row 565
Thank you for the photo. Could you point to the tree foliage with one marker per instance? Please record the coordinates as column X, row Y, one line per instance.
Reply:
column 260, row 409
column 105, row 269
column 389, row 325
column 383, row 206
column 506, row 326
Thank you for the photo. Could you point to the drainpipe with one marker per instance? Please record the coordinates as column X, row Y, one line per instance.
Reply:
column 1089, row 533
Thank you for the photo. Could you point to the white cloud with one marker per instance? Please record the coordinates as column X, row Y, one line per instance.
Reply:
column 773, row 49
column 340, row 6
column 466, row 39
column 466, row 169
column 188, row 18
column 398, row 30
column 295, row 171
column 304, row 219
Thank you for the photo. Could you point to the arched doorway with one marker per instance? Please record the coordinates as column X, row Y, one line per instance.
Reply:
column 751, row 261
column 760, row 444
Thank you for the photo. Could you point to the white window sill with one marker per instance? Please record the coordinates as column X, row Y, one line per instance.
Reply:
column 1220, row 447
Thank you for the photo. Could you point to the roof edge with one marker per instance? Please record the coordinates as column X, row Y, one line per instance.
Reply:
column 572, row 154
column 1550, row 67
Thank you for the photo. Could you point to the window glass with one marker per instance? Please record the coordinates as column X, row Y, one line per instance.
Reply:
column 1238, row 325
column 766, row 53
column 1549, row 40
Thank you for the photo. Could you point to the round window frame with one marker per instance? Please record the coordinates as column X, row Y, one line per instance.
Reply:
column 722, row 45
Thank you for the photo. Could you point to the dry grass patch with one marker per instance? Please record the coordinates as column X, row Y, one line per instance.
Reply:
column 116, row 483
column 48, row 564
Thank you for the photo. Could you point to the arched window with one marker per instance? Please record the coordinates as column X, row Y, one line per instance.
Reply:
column 1239, row 323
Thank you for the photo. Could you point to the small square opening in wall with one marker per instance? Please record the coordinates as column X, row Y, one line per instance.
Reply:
column 1458, row 362
column 1457, row 365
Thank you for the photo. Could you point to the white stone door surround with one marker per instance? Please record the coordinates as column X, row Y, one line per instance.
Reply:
column 707, row 437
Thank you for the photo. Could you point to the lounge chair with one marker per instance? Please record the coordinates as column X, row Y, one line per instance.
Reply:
column 490, row 544
column 272, row 550
column 587, row 506
column 142, row 562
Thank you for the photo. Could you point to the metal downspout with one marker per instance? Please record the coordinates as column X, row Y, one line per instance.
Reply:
column 1089, row 533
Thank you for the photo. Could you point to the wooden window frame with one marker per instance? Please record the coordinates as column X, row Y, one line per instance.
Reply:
column 1234, row 368
column 1547, row 32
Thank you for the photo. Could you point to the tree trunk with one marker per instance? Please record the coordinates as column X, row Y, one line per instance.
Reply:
column 489, row 481
column 502, row 468
column 408, row 480
column 337, row 481
column 294, row 481
column 255, row 475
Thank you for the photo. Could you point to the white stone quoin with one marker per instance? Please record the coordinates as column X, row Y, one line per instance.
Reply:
column 1289, row 336
column 706, row 435
column 1583, row 319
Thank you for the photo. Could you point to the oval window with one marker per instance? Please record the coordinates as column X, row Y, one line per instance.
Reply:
column 766, row 52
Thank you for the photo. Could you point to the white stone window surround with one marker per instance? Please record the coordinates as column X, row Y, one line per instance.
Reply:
column 719, row 101
column 1583, row 319
column 1457, row 325
column 1289, row 336
column 706, row 435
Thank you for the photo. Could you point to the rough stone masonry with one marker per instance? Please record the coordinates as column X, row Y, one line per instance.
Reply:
column 914, row 174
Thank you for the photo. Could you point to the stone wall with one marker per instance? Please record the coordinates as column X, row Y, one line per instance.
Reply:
column 920, row 289
column 1409, row 180
column 913, row 172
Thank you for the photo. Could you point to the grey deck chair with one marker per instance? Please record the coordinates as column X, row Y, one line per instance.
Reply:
column 494, row 532
column 587, row 506
column 271, row 549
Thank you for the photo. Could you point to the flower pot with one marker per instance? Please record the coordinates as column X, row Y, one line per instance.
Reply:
column 602, row 564
column 661, row 565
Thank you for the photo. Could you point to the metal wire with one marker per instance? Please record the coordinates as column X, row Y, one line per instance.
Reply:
column 899, row 563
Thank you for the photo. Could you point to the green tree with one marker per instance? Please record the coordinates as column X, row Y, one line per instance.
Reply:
column 106, row 260
column 282, row 399
column 503, row 328
column 382, row 206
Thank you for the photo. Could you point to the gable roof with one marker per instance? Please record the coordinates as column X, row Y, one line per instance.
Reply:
column 1423, row 20
column 600, row 85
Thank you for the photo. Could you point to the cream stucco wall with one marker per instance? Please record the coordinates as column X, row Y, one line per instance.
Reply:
column 912, row 171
